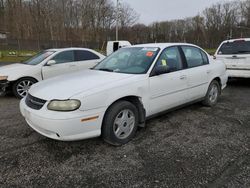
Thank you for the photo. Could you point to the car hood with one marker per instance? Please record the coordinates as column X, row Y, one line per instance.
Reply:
column 65, row 86
column 8, row 70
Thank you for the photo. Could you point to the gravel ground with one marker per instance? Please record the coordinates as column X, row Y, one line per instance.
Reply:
column 192, row 147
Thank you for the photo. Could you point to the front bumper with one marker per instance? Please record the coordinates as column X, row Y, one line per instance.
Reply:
column 4, row 84
column 64, row 126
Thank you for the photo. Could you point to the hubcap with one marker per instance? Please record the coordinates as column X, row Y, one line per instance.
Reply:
column 124, row 124
column 213, row 94
column 23, row 87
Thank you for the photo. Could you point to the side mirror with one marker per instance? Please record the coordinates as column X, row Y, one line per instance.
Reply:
column 51, row 62
column 161, row 70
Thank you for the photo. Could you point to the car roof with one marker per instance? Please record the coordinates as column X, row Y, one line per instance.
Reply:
column 63, row 49
column 239, row 39
column 163, row 45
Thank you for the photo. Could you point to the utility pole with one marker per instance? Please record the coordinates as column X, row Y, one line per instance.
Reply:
column 117, row 20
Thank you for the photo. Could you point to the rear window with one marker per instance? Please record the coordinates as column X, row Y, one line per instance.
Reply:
column 236, row 47
column 84, row 55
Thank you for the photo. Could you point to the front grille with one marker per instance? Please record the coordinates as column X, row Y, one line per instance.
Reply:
column 34, row 103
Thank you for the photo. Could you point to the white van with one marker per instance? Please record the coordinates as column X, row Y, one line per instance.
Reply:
column 113, row 46
column 236, row 55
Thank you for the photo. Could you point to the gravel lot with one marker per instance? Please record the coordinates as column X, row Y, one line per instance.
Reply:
column 192, row 147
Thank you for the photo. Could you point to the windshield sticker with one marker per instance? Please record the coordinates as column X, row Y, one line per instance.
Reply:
column 150, row 49
column 149, row 54
column 164, row 62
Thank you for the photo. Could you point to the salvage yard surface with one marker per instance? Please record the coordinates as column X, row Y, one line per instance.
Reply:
column 192, row 147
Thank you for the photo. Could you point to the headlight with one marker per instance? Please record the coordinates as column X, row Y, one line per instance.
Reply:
column 3, row 77
column 64, row 106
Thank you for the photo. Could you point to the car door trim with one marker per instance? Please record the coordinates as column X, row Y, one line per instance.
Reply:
column 174, row 108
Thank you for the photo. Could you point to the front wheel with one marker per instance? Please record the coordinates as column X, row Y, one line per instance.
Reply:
column 213, row 93
column 120, row 123
column 20, row 87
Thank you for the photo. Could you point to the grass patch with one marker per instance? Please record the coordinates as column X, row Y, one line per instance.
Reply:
column 211, row 51
column 14, row 56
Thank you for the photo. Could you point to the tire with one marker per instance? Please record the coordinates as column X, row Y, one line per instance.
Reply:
column 213, row 94
column 120, row 123
column 20, row 87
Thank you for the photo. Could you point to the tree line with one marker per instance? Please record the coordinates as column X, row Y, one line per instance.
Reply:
column 94, row 21
column 66, row 20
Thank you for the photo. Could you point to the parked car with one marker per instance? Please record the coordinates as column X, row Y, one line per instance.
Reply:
column 235, row 54
column 49, row 63
column 121, row 92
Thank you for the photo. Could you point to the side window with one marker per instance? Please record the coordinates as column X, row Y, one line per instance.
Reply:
column 193, row 56
column 83, row 55
column 64, row 57
column 171, row 58
column 205, row 58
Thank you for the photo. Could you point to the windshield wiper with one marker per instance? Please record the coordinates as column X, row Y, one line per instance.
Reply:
column 107, row 70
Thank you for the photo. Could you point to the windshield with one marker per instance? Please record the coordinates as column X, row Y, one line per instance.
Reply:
column 39, row 58
column 236, row 47
column 136, row 60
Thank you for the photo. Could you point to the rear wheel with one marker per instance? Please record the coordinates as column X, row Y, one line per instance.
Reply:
column 120, row 123
column 213, row 94
column 20, row 87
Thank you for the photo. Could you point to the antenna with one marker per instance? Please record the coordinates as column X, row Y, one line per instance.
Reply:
column 117, row 20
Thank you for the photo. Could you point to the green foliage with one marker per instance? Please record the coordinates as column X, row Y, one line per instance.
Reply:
column 14, row 56
column 211, row 51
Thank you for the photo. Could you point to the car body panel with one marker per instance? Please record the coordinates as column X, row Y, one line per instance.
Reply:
column 162, row 97
column 79, row 82
column 17, row 71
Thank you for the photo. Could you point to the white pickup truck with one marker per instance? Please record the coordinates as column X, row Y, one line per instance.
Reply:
column 49, row 63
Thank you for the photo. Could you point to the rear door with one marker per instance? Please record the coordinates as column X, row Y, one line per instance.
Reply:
column 170, row 89
column 86, row 59
column 235, row 54
column 65, row 63
column 198, row 72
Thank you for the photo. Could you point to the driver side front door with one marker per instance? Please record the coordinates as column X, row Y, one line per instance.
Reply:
column 170, row 89
column 65, row 63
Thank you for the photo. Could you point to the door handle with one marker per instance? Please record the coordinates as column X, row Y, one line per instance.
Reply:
column 183, row 77
column 209, row 71
column 72, row 65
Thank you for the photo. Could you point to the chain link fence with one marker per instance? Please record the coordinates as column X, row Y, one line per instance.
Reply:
column 37, row 45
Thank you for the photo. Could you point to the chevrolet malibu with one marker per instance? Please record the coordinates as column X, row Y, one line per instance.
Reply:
column 49, row 63
column 118, row 95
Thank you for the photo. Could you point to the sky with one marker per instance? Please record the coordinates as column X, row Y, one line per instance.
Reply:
column 162, row 10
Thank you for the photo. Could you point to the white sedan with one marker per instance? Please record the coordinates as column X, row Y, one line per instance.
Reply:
column 49, row 63
column 120, row 93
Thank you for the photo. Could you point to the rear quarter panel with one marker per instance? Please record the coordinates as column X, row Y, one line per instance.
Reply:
column 218, row 68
